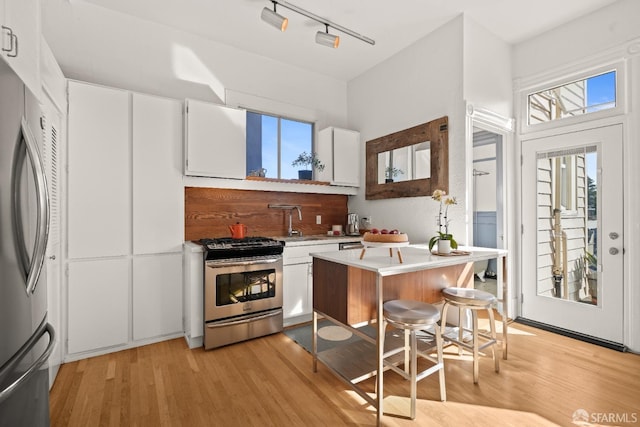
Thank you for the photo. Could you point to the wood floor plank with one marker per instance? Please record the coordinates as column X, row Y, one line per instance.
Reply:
column 269, row 382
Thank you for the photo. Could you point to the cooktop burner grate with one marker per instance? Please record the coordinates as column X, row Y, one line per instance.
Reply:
column 226, row 247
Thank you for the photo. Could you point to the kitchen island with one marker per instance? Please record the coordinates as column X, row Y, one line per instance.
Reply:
column 350, row 291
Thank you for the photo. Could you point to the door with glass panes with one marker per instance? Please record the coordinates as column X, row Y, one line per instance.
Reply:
column 573, row 233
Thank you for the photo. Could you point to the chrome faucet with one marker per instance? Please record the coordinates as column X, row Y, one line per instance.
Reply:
column 291, row 232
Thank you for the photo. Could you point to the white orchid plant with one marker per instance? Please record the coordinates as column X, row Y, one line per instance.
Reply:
column 443, row 218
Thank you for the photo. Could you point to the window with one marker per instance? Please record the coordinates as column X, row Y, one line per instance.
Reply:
column 273, row 143
column 576, row 98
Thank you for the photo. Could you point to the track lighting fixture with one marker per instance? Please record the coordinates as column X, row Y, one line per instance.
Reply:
column 323, row 38
column 271, row 17
column 327, row 39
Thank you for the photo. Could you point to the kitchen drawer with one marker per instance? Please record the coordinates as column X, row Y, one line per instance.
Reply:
column 300, row 254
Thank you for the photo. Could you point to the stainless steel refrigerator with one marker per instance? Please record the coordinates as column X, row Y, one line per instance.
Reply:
column 26, row 338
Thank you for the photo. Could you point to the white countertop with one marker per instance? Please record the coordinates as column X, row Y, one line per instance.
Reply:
column 316, row 239
column 415, row 258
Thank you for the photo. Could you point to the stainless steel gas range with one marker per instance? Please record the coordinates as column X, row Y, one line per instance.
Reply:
column 242, row 289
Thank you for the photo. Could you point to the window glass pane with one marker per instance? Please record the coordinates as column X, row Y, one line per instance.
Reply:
column 296, row 138
column 273, row 143
column 567, row 224
column 270, row 145
column 573, row 99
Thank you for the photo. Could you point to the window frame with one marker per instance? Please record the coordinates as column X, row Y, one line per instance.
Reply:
column 620, row 90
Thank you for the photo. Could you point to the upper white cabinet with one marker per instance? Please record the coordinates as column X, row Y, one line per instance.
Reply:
column 339, row 150
column 158, row 195
column 99, row 177
column 215, row 143
column 20, row 25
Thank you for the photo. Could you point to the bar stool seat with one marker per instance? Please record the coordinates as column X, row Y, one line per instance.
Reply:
column 412, row 316
column 472, row 300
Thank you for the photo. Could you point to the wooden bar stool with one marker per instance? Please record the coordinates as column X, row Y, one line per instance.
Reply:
column 472, row 300
column 412, row 316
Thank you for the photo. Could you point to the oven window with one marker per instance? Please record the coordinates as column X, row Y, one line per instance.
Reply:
column 233, row 288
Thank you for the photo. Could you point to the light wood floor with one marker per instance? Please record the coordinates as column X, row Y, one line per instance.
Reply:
column 269, row 382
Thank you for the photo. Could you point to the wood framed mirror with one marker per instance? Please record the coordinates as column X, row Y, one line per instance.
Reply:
column 409, row 163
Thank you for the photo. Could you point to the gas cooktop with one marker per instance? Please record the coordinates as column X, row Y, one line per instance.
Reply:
column 226, row 247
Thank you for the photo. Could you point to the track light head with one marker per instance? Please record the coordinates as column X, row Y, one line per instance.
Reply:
column 280, row 22
column 327, row 39
column 273, row 18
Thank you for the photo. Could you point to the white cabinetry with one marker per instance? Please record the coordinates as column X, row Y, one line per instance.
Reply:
column 193, row 267
column 215, row 143
column 98, row 304
column 339, row 150
column 157, row 295
column 20, row 39
column 297, row 291
column 125, row 208
column 99, row 186
column 158, row 195
column 297, row 281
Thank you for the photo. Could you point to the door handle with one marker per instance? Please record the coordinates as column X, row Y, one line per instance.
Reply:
column 31, row 268
column 613, row 235
column 12, row 51
column 20, row 357
column 613, row 251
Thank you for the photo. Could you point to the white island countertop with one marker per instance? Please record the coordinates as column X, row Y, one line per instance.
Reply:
column 415, row 258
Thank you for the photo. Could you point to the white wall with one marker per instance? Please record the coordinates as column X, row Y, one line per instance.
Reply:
column 421, row 83
column 578, row 39
column 97, row 45
column 487, row 70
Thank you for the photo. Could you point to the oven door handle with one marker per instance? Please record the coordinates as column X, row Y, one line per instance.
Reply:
column 246, row 320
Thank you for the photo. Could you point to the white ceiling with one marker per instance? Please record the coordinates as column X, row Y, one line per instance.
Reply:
column 393, row 25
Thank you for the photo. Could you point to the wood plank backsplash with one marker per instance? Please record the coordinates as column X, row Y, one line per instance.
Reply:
column 210, row 211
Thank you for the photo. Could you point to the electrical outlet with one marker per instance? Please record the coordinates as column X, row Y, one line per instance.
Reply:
column 318, row 219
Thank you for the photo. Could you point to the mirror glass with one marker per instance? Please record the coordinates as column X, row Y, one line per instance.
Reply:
column 405, row 164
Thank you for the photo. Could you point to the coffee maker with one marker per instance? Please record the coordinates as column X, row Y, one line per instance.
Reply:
column 353, row 229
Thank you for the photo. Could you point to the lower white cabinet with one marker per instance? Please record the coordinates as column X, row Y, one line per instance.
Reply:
column 98, row 304
column 104, row 294
column 297, row 280
column 157, row 295
column 193, row 271
column 297, row 292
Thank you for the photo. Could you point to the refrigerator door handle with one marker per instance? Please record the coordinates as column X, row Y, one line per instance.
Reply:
column 24, row 350
column 31, row 268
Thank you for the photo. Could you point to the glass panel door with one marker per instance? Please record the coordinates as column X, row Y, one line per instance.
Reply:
column 572, row 236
